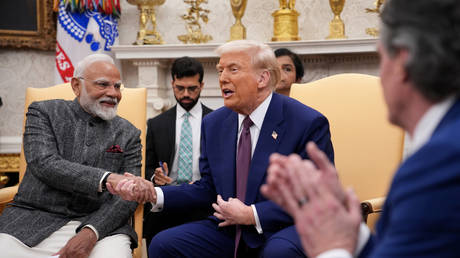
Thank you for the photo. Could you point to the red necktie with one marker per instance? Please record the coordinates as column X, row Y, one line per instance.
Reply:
column 243, row 162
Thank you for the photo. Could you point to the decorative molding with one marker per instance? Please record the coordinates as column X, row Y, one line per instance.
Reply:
column 10, row 144
column 341, row 58
column 9, row 162
column 303, row 47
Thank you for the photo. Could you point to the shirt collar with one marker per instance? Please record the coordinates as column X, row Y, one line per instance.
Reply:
column 194, row 112
column 257, row 116
column 427, row 124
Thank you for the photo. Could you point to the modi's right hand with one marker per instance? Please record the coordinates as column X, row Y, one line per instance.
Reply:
column 133, row 188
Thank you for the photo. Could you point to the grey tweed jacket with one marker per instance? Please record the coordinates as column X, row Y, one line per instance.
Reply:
column 67, row 152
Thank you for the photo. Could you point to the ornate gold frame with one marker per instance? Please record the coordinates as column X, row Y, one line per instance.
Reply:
column 43, row 38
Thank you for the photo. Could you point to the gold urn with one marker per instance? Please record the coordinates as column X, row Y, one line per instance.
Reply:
column 336, row 26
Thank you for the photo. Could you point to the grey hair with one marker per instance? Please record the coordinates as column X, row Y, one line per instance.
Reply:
column 88, row 60
column 429, row 30
column 262, row 56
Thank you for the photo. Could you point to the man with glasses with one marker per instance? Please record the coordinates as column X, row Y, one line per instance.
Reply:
column 73, row 148
column 173, row 140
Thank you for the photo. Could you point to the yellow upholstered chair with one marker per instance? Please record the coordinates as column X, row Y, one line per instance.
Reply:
column 132, row 107
column 367, row 147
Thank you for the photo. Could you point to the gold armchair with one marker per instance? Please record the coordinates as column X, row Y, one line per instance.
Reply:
column 367, row 147
column 132, row 107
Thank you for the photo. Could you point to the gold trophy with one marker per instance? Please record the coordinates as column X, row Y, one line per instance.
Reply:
column 238, row 31
column 336, row 26
column 193, row 16
column 378, row 4
column 285, row 26
column 146, row 36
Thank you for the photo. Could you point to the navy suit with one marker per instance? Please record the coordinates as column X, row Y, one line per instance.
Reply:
column 294, row 124
column 421, row 215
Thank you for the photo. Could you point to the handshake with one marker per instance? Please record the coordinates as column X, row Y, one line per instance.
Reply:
column 131, row 188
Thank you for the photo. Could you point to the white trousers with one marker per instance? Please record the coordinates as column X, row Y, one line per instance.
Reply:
column 116, row 246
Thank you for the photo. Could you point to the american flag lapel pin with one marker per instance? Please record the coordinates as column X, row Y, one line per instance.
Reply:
column 274, row 135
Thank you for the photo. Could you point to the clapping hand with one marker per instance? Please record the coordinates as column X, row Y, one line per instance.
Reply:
column 325, row 215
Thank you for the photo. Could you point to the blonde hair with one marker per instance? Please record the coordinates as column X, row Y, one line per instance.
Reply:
column 262, row 56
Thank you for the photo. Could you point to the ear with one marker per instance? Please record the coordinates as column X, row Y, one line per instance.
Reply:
column 201, row 85
column 401, row 60
column 263, row 79
column 76, row 86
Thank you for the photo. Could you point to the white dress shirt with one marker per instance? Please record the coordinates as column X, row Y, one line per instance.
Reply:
column 422, row 134
column 196, row 114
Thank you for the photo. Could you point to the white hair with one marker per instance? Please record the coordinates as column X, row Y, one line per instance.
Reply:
column 261, row 54
column 88, row 60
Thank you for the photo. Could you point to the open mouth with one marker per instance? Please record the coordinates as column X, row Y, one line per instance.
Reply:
column 226, row 93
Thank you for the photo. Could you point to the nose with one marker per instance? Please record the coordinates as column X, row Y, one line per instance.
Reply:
column 112, row 92
column 223, row 78
column 283, row 75
column 186, row 92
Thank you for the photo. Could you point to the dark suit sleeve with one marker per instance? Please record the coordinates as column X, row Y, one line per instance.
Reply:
column 272, row 217
column 151, row 158
column 41, row 152
column 114, row 213
column 420, row 217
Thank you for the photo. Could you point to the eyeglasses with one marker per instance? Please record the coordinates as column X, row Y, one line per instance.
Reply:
column 104, row 84
column 191, row 89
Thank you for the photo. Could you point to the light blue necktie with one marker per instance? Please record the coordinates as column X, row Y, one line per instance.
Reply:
column 185, row 152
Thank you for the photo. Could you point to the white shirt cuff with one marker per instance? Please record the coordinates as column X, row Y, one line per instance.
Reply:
column 256, row 218
column 335, row 253
column 363, row 237
column 93, row 229
column 99, row 189
column 160, row 201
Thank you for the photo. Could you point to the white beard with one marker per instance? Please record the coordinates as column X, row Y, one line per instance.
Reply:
column 94, row 107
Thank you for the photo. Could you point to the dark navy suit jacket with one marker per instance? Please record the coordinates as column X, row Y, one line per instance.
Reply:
column 294, row 123
column 421, row 215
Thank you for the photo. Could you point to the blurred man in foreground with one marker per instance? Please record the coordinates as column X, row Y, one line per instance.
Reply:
column 420, row 74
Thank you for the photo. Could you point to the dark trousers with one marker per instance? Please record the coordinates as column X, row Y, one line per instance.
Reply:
column 155, row 222
column 204, row 239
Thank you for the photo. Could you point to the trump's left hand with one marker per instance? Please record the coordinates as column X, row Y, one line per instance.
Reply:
column 233, row 212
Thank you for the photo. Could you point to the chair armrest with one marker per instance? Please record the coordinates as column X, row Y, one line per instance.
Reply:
column 372, row 206
column 7, row 195
column 138, row 221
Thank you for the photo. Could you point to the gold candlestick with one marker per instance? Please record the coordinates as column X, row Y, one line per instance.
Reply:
column 285, row 26
column 146, row 8
column 193, row 16
column 238, row 31
column 336, row 26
